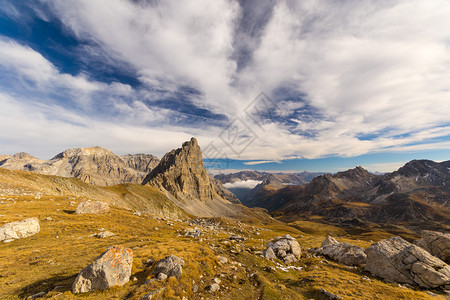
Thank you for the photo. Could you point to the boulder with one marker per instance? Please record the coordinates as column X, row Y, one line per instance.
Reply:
column 171, row 266
column 285, row 248
column 92, row 207
column 397, row 260
column 437, row 243
column 105, row 234
column 111, row 268
column 343, row 253
column 20, row 229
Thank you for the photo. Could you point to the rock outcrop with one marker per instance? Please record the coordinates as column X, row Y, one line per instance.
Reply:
column 437, row 243
column 285, row 248
column 111, row 268
column 92, row 207
column 171, row 266
column 20, row 229
column 343, row 253
column 94, row 165
column 182, row 176
column 397, row 260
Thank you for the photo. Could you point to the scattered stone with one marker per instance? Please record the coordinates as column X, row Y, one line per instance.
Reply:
column 285, row 248
column 171, row 266
column 343, row 253
column 213, row 287
column 134, row 278
column 19, row 229
column 162, row 276
column 48, row 219
column 37, row 295
column 152, row 294
column 437, row 243
column 397, row 260
column 105, row 234
column 237, row 238
column 137, row 213
column 217, row 280
column 111, row 268
column 195, row 233
column 92, row 207
column 222, row 259
column 330, row 295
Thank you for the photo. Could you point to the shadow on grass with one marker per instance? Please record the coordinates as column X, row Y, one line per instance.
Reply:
column 70, row 212
column 58, row 283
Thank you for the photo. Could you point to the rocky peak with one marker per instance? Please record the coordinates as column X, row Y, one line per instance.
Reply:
column 181, row 172
column 141, row 162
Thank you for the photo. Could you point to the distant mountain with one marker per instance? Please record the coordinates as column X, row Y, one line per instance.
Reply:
column 94, row 165
column 182, row 176
column 250, row 186
column 417, row 192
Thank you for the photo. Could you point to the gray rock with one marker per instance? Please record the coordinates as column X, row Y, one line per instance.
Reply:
column 237, row 238
column 162, row 276
column 37, row 295
column 222, row 259
column 105, row 234
column 171, row 266
column 437, row 243
column 111, row 268
column 92, row 207
column 329, row 240
column 213, row 287
column 397, row 260
column 285, row 248
column 20, row 229
column 152, row 294
column 330, row 295
column 195, row 233
column 343, row 253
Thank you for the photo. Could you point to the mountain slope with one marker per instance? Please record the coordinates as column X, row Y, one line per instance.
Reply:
column 93, row 165
column 417, row 192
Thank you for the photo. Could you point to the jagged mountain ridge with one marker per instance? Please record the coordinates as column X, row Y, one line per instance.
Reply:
column 182, row 176
column 94, row 165
column 417, row 192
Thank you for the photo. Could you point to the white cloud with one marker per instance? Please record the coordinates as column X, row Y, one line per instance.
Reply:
column 246, row 184
column 366, row 68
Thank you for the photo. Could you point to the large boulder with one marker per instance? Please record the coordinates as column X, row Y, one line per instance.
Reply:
column 20, row 229
column 285, row 248
column 343, row 253
column 111, row 268
column 92, row 207
column 397, row 260
column 171, row 266
column 437, row 243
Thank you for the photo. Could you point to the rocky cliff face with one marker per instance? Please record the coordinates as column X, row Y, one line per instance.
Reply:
column 94, row 165
column 181, row 174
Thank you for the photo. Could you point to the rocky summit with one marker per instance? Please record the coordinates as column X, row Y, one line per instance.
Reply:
column 181, row 174
column 93, row 165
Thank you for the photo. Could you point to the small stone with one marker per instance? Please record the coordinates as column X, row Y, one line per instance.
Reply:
column 134, row 279
column 152, row 294
column 37, row 295
column 217, row 280
column 48, row 219
column 104, row 234
column 222, row 259
column 162, row 276
column 171, row 266
column 213, row 287
column 92, row 207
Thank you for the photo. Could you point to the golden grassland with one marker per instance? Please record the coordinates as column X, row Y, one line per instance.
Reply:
column 50, row 260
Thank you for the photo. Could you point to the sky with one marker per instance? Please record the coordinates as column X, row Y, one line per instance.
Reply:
column 264, row 85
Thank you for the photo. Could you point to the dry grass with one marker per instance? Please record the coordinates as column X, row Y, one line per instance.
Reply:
column 50, row 260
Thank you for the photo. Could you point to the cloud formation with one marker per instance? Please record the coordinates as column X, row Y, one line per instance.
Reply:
column 347, row 78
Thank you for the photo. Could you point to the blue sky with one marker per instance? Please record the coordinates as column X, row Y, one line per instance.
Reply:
column 270, row 85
